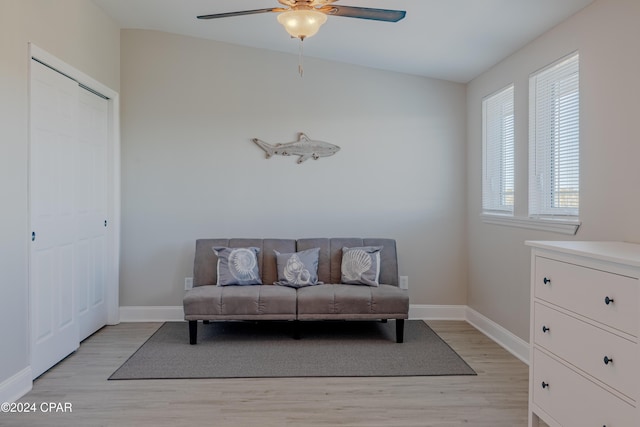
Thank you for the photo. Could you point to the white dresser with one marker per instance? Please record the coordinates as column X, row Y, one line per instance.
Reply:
column 585, row 356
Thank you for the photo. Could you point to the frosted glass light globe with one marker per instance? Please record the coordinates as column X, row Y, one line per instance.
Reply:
column 302, row 23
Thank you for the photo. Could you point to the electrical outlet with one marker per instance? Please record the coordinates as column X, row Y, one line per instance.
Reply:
column 404, row 282
column 188, row 283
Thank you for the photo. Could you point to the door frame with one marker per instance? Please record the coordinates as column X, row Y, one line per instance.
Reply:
column 113, row 175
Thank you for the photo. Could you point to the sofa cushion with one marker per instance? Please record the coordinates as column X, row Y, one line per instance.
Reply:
column 352, row 302
column 361, row 265
column 266, row 302
column 298, row 269
column 237, row 266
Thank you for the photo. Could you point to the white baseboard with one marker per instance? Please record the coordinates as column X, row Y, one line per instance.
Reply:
column 16, row 386
column 151, row 313
column 512, row 343
column 437, row 312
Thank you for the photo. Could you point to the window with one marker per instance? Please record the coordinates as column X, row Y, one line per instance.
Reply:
column 498, row 152
column 554, row 140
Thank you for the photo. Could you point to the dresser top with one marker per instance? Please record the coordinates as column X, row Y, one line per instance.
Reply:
column 618, row 252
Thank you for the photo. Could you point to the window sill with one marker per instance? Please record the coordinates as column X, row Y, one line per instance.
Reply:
column 562, row 226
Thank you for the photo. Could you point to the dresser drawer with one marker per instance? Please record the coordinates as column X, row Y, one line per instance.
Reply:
column 586, row 291
column 572, row 400
column 586, row 346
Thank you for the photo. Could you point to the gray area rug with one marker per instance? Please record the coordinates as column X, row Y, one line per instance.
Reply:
column 267, row 349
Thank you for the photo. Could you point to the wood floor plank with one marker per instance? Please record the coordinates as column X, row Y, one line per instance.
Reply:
column 496, row 397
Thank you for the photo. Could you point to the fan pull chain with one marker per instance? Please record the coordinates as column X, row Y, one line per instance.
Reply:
column 301, row 58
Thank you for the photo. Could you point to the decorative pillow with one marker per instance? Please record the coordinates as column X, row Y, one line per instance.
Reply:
column 237, row 266
column 298, row 269
column 361, row 266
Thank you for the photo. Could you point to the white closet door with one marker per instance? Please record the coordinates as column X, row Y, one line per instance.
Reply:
column 53, row 115
column 91, row 212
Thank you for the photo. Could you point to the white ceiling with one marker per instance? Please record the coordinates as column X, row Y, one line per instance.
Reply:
column 447, row 39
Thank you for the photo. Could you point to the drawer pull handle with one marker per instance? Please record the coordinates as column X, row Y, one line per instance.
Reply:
column 545, row 385
column 545, row 329
column 608, row 300
column 546, row 281
column 607, row 360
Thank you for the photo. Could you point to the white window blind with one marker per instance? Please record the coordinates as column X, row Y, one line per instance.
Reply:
column 498, row 152
column 554, row 140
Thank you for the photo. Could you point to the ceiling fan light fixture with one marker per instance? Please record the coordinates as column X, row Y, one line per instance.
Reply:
column 302, row 23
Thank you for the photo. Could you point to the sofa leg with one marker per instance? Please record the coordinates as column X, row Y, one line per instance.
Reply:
column 296, row 329
column 399, row 330
column 383, row 320
column 206, row 322
column 193, row 331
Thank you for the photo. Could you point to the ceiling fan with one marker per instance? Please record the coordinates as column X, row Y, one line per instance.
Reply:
column 303, row 18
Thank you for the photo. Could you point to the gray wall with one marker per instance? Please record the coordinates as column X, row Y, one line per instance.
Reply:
column 189, row 169
column 606, row 34
column 79, row 33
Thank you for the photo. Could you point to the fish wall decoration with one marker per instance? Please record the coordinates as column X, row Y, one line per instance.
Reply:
column 305, row 147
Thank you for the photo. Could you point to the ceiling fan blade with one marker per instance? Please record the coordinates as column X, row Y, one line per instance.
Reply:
column 240, row 13
column 366, row 13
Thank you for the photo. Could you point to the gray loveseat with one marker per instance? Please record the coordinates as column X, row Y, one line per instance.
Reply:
column 329, row 301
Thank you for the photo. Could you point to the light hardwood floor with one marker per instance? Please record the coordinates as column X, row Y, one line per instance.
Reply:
column 496, row 397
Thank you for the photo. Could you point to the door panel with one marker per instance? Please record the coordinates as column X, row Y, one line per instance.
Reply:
column 91, row 209
column 83, row 275
column 52, row 282
column 99, row 295
column 43, row 284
